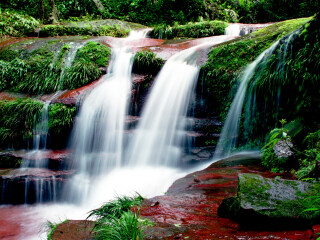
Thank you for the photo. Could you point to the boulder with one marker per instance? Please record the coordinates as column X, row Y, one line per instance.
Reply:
column 270, row 203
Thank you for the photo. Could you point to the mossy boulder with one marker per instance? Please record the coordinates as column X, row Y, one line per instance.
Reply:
column 271, row 203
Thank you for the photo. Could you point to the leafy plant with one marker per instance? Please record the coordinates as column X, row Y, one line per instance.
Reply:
column 115, row 221
column 60, row 118
column 147, row 62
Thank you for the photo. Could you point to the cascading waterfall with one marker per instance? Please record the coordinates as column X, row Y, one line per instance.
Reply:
column 230, row 132
column 159, row 136
column 98, row 135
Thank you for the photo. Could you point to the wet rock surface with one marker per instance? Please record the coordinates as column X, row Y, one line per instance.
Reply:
column 30, row 185
column 189, row 208
column 269, row 203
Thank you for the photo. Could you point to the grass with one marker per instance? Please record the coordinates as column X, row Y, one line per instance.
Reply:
column 116, row 221
column 17, row 119
column 52, row 227
column 190, row 30
column 43, row 70
column 147, row 62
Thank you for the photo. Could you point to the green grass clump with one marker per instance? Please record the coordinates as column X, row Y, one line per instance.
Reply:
column 60, row 118
column 147, row 62
column 52, row 227
column 227, row 61
column 43, row 70
column 190, row 30
column 16, row 24
column 115, row 221
column 17, row 119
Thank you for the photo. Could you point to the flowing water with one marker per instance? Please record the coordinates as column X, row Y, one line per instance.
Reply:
column 230, row 132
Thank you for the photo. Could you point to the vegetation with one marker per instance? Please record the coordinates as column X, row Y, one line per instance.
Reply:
column 60, row 118
column 191, row 30
column 165, row 11
column 51, row 227
column 17, row 119
column 227, row 61
column 147, row 62
column 116, row 221
column 16, row 24
column 44, row 70
column 84, row 29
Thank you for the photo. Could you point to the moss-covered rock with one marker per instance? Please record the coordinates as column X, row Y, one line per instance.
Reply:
column 271, row 203
column 227, row 61
column 46, row 66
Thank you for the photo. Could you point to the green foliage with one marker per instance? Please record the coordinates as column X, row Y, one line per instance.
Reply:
column 44, row 71
column 115, row 221
column 193, row 30
column 269, row 158
column 94, row 52
column 17, row 119
column 227, row 60
column 309, row 156
column 60, row 118
column 147, row 62
column 84, row 29
column 16, row 24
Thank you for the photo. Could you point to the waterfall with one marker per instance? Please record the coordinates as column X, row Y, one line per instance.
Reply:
column 230, row 132
column 97, row 139
column 229, row 135
column 158, row 138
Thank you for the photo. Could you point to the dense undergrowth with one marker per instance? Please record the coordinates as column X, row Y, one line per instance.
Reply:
column 16, row 24
column 165, row 11
column 44, row 70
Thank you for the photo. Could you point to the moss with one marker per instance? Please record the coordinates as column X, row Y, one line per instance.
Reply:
column 147, row 62
column 193, row 30
column 227, row 61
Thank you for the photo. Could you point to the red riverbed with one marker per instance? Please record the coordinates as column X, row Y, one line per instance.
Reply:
column 189, row 208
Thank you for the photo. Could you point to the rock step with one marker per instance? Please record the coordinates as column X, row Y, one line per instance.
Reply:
column 208, row 125
column 31, row 185
column 54, row 160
